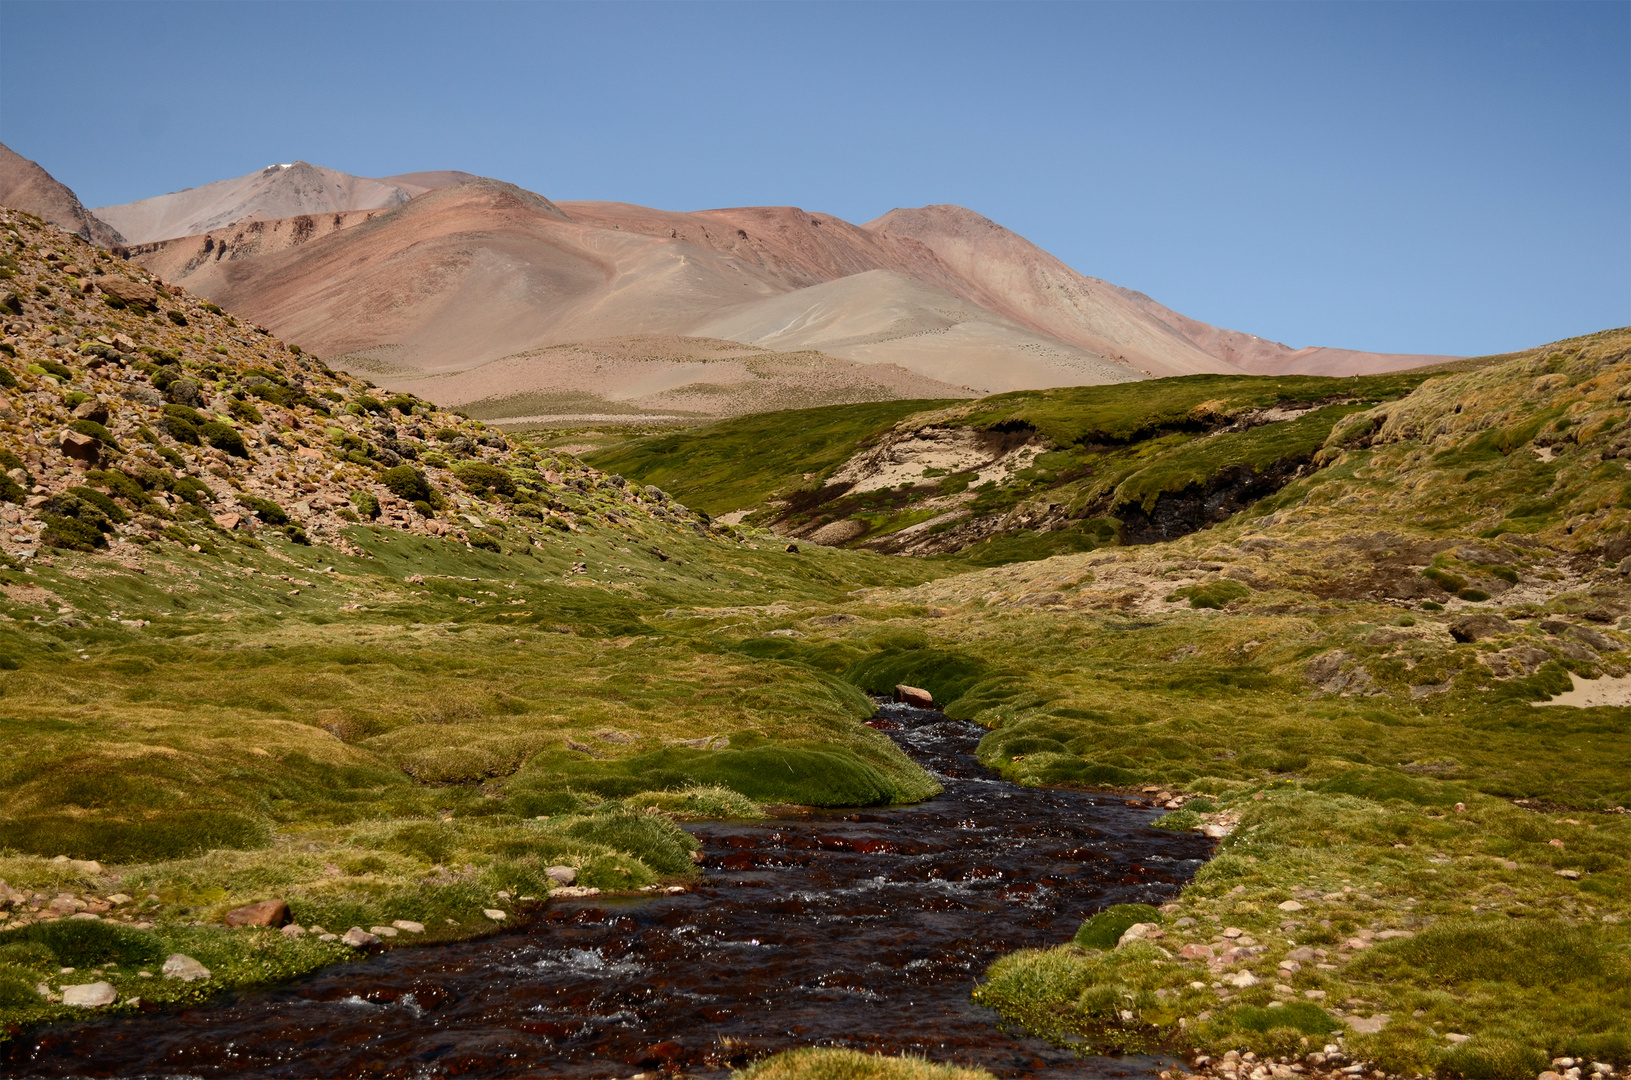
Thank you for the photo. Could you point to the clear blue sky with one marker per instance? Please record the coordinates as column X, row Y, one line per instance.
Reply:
column 1436, row 177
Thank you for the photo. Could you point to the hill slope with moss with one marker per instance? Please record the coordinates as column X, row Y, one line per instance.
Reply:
column 1013, row 476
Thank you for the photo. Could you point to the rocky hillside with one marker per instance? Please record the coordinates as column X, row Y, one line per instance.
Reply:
column 134, row 412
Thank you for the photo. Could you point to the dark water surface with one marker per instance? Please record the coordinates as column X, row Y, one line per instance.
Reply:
column 864, row 929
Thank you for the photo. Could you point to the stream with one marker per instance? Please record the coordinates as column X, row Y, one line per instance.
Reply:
column 866, row 929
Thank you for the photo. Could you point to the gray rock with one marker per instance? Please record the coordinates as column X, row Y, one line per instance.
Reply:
column 358, row 938
column 1369, row 1025
column 1595, row 638
column 562, row 875
column 183, row 967
column 1471, row 628
column 89, row 995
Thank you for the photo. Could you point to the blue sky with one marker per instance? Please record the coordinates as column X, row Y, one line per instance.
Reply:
column 1400, row 177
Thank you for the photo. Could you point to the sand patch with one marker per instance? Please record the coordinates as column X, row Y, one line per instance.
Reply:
column 1588, row 693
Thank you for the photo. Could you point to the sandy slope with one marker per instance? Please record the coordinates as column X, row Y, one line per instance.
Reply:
column 886, row 317
column 662, row 375
column 277, row 191
column 29, row 188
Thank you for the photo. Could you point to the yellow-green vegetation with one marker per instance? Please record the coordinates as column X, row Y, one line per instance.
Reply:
column 372, row 747
column 1015, row 476
column 830, row 1063
column 741, row 463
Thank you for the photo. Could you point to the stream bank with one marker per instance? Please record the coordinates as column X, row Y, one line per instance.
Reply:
column 864, row 929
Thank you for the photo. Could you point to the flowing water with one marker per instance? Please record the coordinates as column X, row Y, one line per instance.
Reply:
column 865, row 929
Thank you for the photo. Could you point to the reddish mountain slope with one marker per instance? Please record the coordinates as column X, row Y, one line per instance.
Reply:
column 31, row 189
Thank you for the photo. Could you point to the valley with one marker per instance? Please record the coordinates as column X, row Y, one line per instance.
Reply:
column 274, row 633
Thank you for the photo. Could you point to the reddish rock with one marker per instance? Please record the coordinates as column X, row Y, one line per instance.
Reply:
column 83, row 449
column 265, row 913
column 915, row 696
column 131, row 292
column 1196, row 952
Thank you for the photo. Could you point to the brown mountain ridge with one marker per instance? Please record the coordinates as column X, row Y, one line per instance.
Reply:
column 475, row 283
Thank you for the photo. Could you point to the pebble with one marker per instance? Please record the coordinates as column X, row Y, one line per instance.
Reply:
column 1456, row 1037
column 383, row 931
column 89, row 995
column 1242, row 980
column 561, row 875
column 1572, row 875
column 1233, row 932
column 409, row 925
column 183, row 967
column 1291, row 905
column 494, row 914
column 358, row 938
column 293, row 930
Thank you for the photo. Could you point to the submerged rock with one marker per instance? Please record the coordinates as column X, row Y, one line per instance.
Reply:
column 914, row 696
